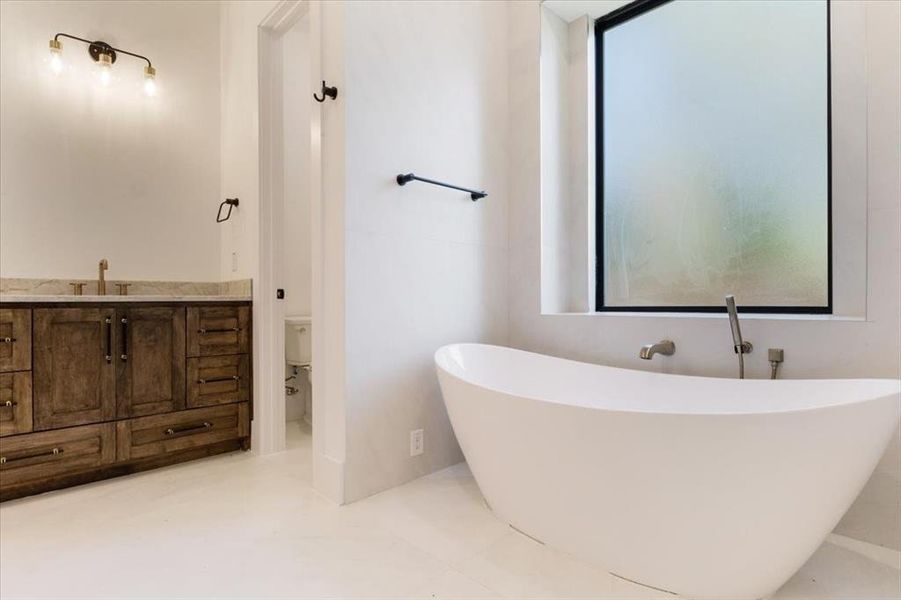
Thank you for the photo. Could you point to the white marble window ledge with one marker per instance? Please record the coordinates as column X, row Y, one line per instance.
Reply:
column 693, row 315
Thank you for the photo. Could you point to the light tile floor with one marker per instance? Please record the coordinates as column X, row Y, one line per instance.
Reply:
column 241, row 526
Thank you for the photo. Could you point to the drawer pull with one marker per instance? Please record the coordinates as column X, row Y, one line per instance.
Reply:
column 124, row 356
column 54, row 452
column 226, row 330
column 217, row 379
column 7, row 340
column 9, row 404
column 109, row 339
column 204, row 426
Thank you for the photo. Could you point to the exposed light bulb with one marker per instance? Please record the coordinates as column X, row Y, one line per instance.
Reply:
column 150, row 81
column 56, row 59
column 105, row 64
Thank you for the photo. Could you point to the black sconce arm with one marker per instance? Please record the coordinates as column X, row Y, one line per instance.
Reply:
column 96, row 46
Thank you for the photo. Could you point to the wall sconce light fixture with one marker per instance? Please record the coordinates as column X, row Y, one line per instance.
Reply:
column 105, row 56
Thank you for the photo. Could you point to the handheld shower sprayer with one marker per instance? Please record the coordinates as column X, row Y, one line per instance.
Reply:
column 740, row 346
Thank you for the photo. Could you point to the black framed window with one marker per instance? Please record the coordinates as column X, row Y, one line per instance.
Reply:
column 714, row 156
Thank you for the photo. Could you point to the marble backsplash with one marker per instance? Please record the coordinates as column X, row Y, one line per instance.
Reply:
column 61, row 287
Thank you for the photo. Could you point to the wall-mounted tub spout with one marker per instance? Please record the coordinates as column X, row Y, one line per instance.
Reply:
column 664, row 347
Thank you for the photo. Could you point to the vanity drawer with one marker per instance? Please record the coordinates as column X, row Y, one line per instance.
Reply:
column 15, row 403
column 15, row 339
column 214, row 380
column 51, row 453
column 218, row 330
column 159, row 434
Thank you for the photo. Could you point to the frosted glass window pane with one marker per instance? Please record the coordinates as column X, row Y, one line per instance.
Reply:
column 715, row 155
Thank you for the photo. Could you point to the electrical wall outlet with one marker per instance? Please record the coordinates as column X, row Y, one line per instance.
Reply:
column 417, row 442
column 234, row 261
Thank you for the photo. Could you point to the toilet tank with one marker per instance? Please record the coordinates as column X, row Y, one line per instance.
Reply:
column 298, row 340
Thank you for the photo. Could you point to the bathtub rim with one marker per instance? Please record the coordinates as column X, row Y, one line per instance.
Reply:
column 637, row 409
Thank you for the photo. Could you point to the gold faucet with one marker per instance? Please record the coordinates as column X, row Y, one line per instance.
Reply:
column 101, row 281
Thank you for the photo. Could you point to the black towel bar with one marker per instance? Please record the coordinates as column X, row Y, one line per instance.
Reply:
column 403, row 179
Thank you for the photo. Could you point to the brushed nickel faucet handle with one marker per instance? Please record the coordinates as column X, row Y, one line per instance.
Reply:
column 77, row 288
column 123, row 288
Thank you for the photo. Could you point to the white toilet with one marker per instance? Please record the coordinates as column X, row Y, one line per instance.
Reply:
column 299, row 354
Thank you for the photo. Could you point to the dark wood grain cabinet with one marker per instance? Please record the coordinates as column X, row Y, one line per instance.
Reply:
column 94, row 391
column 218, row 330
column 74, row 373
column 15, row 339
column 48, row 454
column 150, row 376
column 160, row 434
column 16, row 414
column 214, row 380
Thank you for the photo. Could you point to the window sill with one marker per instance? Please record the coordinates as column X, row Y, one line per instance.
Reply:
column 687, row 315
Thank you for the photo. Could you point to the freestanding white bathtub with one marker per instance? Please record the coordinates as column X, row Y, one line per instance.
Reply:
column 709, row 488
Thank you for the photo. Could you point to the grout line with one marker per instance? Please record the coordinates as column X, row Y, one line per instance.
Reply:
column 880, row 554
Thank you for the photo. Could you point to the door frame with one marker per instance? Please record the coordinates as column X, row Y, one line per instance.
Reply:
column 269, row 325
column 327, row 339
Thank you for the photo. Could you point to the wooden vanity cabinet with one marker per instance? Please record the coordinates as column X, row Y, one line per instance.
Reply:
column 91, row 391
column 15, row 403
column 150, row 373
column 15, row 340
column 214, row 380
column 218, row 330
column 74, row 373
column 30, row 459
column 161, row 434
column 16, row 414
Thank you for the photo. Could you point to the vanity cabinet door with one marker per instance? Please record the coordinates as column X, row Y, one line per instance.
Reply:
column 218, row 330
column 37, row 456
column 150, row 359
column 214, row 380
column 15, row 339
column 15, row 403
column 74, row 375
column 161, row 434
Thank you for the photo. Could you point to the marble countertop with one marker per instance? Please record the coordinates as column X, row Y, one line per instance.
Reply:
column 11, row 298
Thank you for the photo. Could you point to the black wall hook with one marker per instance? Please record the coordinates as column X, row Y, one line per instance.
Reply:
column 331, row 92
column 232, row 202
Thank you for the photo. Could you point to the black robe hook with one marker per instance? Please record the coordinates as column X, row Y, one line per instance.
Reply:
column 331, row 92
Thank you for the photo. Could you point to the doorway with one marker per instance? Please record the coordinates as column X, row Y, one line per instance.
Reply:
column 292, row 206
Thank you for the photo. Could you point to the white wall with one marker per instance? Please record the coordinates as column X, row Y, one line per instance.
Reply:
column 556, row 221
column 91, row 172
column 239, row 124
column 425, row 92
column 567, row 167
column 814, row 347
